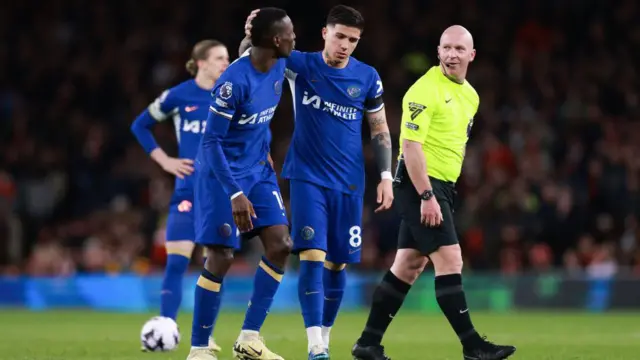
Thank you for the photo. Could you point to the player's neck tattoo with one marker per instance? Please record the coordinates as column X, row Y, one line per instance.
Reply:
column 332, row 63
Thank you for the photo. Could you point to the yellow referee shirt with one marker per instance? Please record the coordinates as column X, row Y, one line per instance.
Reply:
column 438, row 113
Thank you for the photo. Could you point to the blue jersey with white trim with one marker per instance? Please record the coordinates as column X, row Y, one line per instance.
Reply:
column 244, row 102
column 329, row 105
column 187, row 105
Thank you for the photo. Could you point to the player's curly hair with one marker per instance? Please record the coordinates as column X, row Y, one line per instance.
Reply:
column 264, row 26
column 345, row 15
column 200, row 51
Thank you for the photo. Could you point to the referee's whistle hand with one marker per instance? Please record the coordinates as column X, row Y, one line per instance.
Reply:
column 243, row 211
column 430, row 213
column 385, row 195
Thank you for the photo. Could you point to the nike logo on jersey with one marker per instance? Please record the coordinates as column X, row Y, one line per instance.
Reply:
column 190, row 108
column 447, row 101
column 416, row 109
column 311, row 292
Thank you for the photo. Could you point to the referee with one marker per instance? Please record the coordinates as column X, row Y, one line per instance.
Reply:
column 437, row 116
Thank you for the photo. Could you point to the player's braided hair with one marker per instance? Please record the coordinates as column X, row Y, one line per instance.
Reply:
column 200, row 52
column 345, row 15
column 264, row 26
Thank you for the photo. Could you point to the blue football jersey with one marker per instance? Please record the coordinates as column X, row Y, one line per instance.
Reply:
column 187, row 105
column 329, row 104
column 244, row 102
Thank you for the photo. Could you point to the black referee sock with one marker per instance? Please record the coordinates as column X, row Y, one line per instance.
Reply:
column 453, row 304
column 387, row 300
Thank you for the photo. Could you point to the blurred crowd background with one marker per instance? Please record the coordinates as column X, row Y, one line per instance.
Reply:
column 551, row 179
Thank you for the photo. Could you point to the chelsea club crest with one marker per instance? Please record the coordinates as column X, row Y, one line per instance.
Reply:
column 353, row 91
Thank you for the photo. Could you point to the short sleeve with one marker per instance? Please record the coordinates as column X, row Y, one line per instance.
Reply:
column 164, row 106
column 374, row 101
column 295, row 64
column 226, row 98
column 418, row 106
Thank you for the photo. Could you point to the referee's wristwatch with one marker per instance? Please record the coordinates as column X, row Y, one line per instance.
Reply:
column 427, row 195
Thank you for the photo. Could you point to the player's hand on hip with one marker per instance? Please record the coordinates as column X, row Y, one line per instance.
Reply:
column 178, row 167
column 430, row 212
column 247, row 24
column 243, row 212
column 385, row 195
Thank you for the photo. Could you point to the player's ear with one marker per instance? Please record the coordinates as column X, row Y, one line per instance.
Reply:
column 324, row 32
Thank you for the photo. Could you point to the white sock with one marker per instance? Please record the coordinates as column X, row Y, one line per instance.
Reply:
column 326, row 334
column 314, row 334
column 199, row 347
column 248, row 335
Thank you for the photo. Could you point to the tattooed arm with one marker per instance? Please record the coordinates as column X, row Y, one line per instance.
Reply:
column 381, row 141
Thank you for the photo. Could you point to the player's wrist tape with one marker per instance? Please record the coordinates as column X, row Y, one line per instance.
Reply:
column 236, row 195
column 386, row 175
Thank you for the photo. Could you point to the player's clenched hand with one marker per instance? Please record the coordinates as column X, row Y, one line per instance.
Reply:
column 385, row 195
column 430, row 213
column 178, row 167
column 247, row 24
column 243, row 212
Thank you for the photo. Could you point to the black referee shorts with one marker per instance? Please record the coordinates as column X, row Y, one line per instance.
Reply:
column 413, row 234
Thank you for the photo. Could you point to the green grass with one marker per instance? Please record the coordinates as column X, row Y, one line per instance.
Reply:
column 76, row 335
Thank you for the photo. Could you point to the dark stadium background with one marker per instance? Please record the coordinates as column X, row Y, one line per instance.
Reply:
column 552, row 173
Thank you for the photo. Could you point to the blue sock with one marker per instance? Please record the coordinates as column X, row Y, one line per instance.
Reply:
column 171, row 295
column 206, row 308
column 334, row 284
column 310, row 292
column 265, row 285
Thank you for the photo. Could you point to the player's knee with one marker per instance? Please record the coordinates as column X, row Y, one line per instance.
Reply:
column 408, row 265
column 219, row 260
column 313, row 255
column 447, row 260
column 280, row 247
column 331, row 266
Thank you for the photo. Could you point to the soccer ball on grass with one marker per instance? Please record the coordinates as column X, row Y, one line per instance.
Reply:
column 160, row 334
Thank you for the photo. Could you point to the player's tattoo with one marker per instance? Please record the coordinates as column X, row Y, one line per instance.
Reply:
column 332, row 63
column 380, row 139
column 381, row 143
column 244, row 45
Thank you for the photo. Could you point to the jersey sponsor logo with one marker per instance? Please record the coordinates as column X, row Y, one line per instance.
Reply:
column 190, row 108
column 194, row 126
column 416, row 109
column 307, row 233
column 258, row 118
column 412, row 126
column 354, row 91
column 341, row 111
column 277, row 87
column 226, row 90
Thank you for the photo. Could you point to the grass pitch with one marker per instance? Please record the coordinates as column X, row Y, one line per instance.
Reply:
column 86, row 335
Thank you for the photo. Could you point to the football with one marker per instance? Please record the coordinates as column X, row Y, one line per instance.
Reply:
column 160, row 334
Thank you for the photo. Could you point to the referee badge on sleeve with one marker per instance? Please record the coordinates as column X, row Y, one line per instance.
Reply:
column 416, row 109
column 412, row 126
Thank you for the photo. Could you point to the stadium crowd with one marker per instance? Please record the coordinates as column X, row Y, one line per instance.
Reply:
column 552, row 171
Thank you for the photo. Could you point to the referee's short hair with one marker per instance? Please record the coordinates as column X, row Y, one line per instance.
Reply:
column 265, row 26
column 345, row 15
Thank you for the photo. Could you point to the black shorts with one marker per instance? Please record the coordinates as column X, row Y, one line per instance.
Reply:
column 413, row 234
